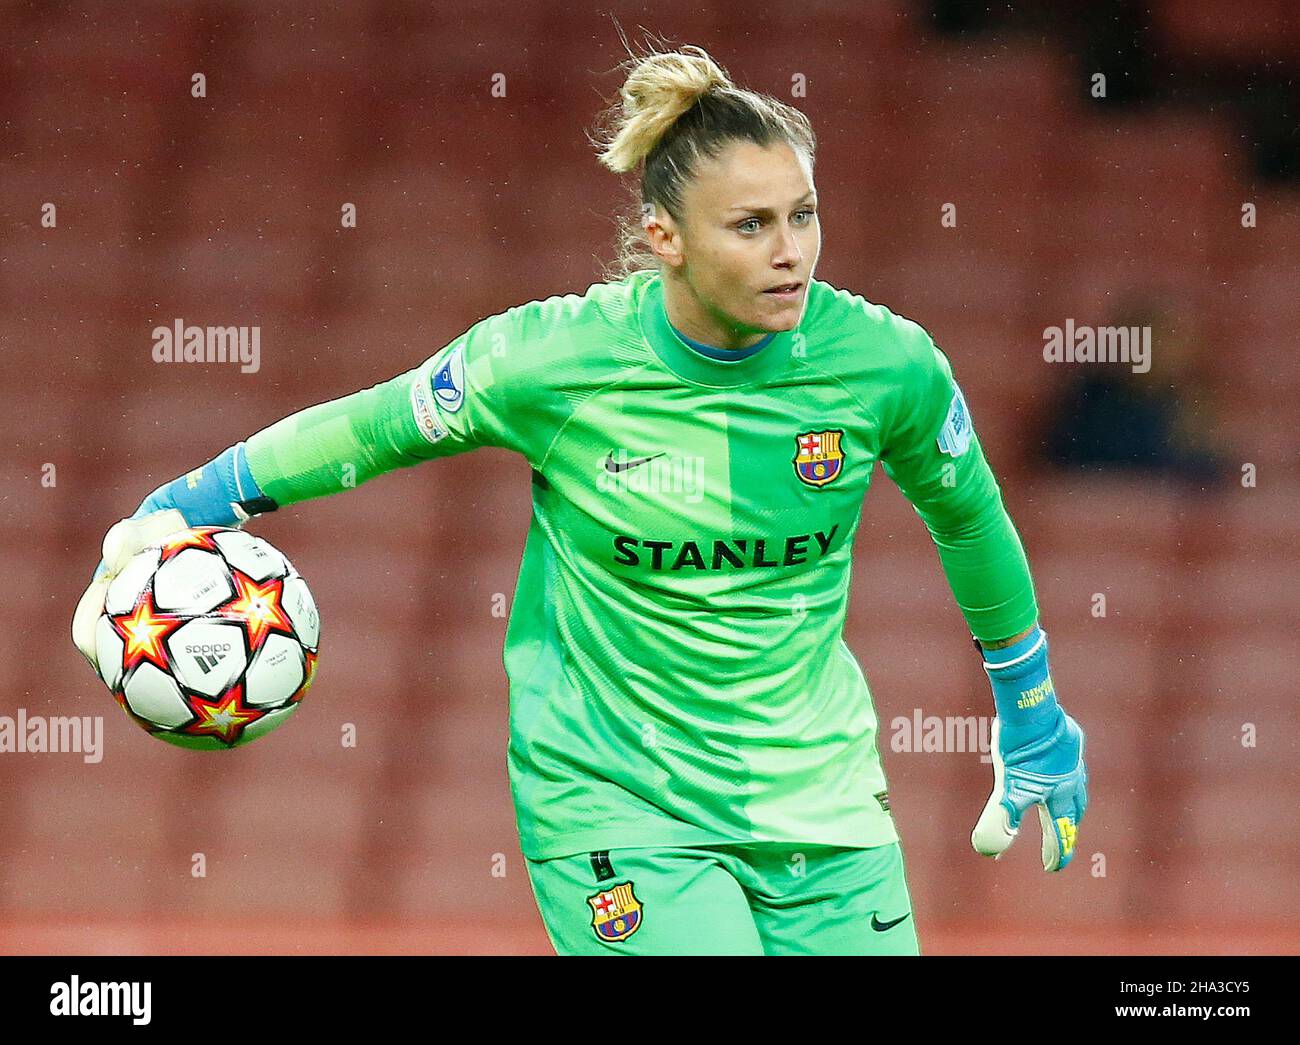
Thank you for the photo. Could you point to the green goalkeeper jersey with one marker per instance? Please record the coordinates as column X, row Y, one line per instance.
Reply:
column 677, row 669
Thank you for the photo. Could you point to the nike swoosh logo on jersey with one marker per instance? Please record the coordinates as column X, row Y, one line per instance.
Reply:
column 880, row 926
column 622, row 466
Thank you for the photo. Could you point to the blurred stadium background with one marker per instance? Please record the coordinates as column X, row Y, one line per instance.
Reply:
column 225, row 210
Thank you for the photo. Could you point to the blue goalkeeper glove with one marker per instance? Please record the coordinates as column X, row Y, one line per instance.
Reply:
column 1037, row 756
column 222, row 492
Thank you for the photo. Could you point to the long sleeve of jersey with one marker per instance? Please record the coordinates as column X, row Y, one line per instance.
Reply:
column 421, row 414
column 336, row 445
column 932, row 452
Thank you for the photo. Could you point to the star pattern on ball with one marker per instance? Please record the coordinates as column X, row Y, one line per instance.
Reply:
column 224, row 718
column 254, row 610
column 196, row 537
column 144, row 631
column 307, row 681
column 260, row 607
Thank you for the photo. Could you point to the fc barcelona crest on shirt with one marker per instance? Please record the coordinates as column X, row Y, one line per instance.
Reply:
column 615, row 913
column 818, row 458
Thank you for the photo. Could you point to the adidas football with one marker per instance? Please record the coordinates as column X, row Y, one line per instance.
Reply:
column 208, row 639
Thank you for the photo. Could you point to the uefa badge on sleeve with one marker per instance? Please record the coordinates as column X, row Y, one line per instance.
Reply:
column 449, row 380
column 615, row 913
column 954, row 437
column 425, row 413
column 818, row 457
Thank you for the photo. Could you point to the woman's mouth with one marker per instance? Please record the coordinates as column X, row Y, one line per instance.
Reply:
column 784, row 291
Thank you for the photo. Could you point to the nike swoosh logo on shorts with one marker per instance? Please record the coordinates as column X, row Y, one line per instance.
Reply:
column 880, row 926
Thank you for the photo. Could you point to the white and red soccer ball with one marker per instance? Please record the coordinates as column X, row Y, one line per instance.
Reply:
column 209, row 639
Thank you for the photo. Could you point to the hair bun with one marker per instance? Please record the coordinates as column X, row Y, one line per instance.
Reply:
column 659, row 88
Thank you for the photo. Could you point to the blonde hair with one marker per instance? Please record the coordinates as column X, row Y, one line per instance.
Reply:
column 676, row 108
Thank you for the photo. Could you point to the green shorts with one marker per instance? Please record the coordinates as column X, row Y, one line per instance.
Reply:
column 744, row 898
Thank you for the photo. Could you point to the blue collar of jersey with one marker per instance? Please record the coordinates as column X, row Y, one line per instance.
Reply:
column 701, row 363
column 722, row 353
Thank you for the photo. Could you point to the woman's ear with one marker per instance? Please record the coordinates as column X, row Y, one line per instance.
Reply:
column 662, row 233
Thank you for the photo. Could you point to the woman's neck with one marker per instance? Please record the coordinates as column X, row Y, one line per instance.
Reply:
column 688, row 317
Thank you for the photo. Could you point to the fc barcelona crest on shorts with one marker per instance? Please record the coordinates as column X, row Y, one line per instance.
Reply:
column 615, row 913
column 818, row 458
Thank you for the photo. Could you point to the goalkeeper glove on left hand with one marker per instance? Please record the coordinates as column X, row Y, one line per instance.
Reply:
column 1037, row 756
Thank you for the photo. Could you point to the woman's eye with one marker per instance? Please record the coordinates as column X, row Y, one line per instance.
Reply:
column 754, row 224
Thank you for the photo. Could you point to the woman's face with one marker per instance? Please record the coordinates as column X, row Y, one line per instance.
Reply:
column 749, row 224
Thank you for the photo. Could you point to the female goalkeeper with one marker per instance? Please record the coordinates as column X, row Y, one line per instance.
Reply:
column 692, row 752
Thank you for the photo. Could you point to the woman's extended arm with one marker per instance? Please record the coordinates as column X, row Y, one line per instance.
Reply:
column 481, row 389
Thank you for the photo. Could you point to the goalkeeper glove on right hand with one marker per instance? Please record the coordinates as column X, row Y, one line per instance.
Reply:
column 122, row 542
column 222, row 492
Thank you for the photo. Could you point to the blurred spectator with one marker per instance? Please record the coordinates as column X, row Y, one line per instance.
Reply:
column 1108, row 417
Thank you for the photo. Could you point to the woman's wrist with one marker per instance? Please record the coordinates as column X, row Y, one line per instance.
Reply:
column 209, row 495
column 1023, row 691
